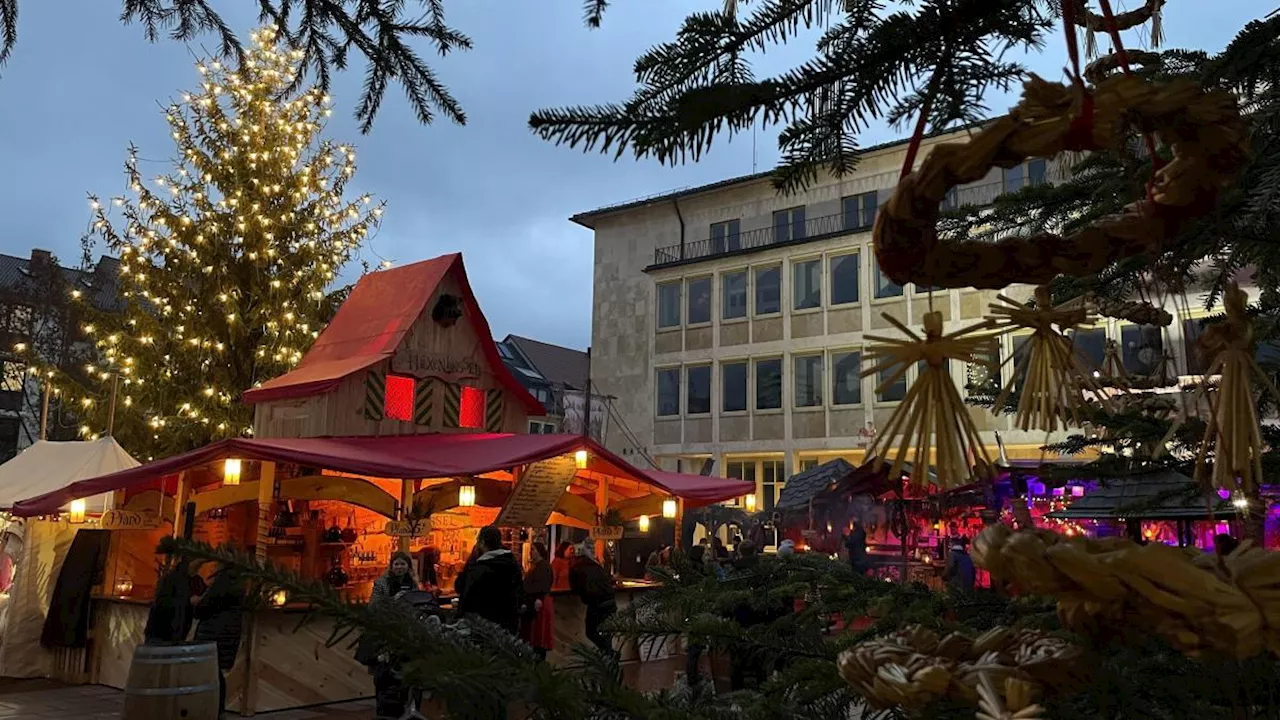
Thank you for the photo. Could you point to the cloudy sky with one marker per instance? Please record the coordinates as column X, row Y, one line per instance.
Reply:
column 81, row 87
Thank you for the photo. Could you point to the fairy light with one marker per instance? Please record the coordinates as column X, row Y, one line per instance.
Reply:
column 227, row 254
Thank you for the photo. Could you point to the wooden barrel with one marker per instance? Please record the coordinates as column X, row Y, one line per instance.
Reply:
column 173, row 682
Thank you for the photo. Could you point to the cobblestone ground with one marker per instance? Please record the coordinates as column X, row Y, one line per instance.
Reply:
column 42, row 700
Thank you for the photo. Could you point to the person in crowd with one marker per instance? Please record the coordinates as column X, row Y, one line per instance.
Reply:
column 430, row 574
column 560, row 565
column 538, row 620
column 220, row 612
column 659, row 557
column 787, row 548
column 171, row 615
column 694, row 651
column 492, row 587
column 1223, row 545
column 748, row 557
column 744, row 668
column 594, row 587
column 390, row 693
column 719, row 553
column 959, row 574
column 856, row 546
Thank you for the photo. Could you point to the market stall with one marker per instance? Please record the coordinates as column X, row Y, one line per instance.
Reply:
column 395, row 432
column 33, row 550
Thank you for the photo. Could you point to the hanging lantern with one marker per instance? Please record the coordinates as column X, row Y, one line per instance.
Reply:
column 644, row 523
column 231, row 471
column 749, row 501
column 76, row 516
column 124, row 586
column 669, row 508
column 279, row 598
column 580, row 459
column 467, row 496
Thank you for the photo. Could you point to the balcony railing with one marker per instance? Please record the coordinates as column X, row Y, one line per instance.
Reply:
column 812, row 229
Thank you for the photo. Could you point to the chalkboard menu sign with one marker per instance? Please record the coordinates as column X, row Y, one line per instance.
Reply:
column 537, row 492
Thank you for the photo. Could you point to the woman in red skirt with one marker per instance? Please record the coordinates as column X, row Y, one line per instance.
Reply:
column 539, row 618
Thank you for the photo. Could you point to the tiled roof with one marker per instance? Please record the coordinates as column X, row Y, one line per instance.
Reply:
column 561, row 365
column 99, row 284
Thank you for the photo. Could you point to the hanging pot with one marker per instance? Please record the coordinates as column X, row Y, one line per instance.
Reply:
column 349, row 534
column 336, row 577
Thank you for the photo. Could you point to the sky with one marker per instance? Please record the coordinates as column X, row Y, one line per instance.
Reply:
column 81, row 87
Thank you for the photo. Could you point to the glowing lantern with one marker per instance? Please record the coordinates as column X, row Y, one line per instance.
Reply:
column 644, row 523
column 77, row 511
column 669, row 508
column 580, row 459
column 467, row 496
column 750, row 502
column 279, row 598
column 231, row 471
column 124, row 586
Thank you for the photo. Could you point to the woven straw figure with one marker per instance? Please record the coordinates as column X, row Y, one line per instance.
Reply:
column 1055, row 379
column 931, row 416
column 1234, row 434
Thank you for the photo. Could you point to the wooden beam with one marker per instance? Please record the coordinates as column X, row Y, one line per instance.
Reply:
column 578, row 508
column 253, row 659
column 602, row 507
column 443, row 496
column 312, row 487
column 648, row 505
column 406, row 501
column 179, row 503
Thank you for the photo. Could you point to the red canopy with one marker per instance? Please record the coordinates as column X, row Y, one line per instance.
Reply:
column 399, row 456
column 371, row 324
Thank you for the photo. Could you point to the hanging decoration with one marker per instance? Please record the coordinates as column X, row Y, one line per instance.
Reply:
column 1053, row 377
column 932, row 423
column 915, row 667
column 1094, row 23
column 1111, row 586
column 1234, row 434
column 1203, row 129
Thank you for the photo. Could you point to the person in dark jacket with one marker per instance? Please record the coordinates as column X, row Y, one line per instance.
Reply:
column 538, row 616
column 170, row 618
column 960, row 574
column 594, row 587
column 220, row 612
column 856, row 546
column 492, row 586
column 390, row 694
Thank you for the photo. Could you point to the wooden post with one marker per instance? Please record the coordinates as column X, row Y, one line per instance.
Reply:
column 179, row 504
column 266, row 496
column 252, row 664
column 602, row 507
column 44, row 413
column 111, row 409
column 406, row 504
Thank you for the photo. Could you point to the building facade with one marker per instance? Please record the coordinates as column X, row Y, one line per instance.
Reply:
column 730, row 320
column 557, row 376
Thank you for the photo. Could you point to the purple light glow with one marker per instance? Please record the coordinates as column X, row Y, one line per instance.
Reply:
column 1224, row 493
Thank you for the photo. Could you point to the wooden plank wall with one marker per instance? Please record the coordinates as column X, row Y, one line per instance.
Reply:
column 341, row 412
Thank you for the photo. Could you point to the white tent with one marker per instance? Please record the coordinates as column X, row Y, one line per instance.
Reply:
column 47, row 466
column 39, row 547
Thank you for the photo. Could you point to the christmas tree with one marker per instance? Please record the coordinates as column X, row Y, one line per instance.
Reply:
column 227, row 260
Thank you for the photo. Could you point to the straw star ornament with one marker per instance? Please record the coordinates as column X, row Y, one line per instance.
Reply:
column 931, row 423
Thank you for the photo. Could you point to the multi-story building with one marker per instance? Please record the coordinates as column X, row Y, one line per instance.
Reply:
column 557, row 377
column 36, row 314
column 729, row 321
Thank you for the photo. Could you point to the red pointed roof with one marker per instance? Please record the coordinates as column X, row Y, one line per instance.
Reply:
column 371, row 324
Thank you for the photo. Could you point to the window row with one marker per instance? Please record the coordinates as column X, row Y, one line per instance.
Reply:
column 759, row 384
column 759, row 290
column 858, row 214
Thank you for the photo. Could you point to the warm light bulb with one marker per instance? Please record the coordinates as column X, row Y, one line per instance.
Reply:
column 750, row 502
column 580, row 459
column 644, row 523
column 467, row 496
column 231, row 472
column 78, row 508
column 669, row 508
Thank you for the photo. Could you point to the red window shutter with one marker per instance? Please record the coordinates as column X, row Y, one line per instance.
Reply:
column 471, row 409
column 399, row 404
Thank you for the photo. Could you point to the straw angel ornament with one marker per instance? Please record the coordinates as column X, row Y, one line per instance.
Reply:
column 1234, row 432
column 931, row 422
column 1055, row 380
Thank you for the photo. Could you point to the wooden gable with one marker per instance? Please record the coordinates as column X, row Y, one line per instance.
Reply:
column 440, row 378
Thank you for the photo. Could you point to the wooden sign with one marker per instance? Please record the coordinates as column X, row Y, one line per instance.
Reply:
column 130, row 520
column 423, row 365
column 537, row 492
column 408, row 528
column 607, row 532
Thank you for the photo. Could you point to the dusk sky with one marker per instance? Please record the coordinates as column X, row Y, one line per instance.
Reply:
column 81, row 86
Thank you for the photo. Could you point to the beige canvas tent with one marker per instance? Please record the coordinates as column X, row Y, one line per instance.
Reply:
column 38, row 547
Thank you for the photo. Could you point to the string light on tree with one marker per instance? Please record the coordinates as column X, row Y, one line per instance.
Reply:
column 227, row 260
